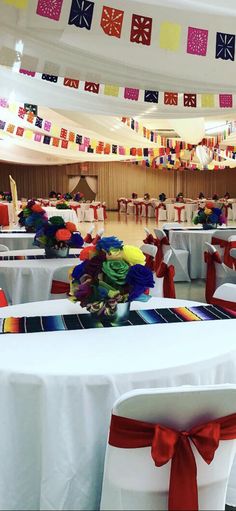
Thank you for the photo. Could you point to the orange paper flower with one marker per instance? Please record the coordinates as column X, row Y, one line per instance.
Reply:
column 87, row 253
column 63, row 235
column 36, row 208
column 71, row 226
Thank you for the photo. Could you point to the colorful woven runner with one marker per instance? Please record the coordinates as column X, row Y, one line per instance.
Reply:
column 140, row 317
column 24, row 257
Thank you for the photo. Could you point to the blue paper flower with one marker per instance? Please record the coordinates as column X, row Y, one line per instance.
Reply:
column 76, row 240
column 140, row 278
column 78, row 271
column 108, row 243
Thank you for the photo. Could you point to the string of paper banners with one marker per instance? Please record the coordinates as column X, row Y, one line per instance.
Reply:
column 169, row 155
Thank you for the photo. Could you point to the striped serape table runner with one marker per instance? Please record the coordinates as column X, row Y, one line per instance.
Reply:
column 31, row 257
column 140, row 317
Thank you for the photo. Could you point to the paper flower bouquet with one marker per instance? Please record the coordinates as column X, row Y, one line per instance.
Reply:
column 6, row 196
column 209, row 216
column 111, row 274
column 57, row 236
column 78, row 197
column 32, row 217
column 63, row 205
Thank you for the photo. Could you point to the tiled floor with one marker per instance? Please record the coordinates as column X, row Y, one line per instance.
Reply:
column 131, row 230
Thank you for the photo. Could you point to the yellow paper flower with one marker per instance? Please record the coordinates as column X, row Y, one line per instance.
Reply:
column 133, row 255
column 207, row 211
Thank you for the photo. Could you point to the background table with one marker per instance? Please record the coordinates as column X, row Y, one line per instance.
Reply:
column 31, row 280
column 194, row 241
column 57, row 390
column 19, row 240
column 69, row 215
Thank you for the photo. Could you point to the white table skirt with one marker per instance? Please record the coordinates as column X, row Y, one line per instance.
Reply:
column 31, row 280
column 194, row 242
column 57, row 391
column 69, row 215
column 15, row 241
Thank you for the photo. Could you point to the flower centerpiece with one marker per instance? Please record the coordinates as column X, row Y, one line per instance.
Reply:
column 32, row 216
column 67, row 196
column 57, row 236
column 209, row 216
column 63, row 205
column 110, row 276
column 5, row 196
column 78, row 197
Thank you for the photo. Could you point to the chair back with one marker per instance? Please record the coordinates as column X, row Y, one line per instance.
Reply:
column 217, row 273
column 131, row 479
column 225, row 296
column 4, row 248
column 159, row 233
column 164, row 278
column 60, row 283
column 148, row 249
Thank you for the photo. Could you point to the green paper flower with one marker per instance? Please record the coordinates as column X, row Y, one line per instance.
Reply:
column 115, row 271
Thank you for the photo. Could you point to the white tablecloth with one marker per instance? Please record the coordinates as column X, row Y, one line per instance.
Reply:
column 69, row 215
column 57, row 391
column 194, row 242
column 31, row 280
column 15, row 241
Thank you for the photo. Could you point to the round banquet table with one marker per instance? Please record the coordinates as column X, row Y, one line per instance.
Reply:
column 194, row 240
column 68, row 215
column 58, row 388
column 30, row 280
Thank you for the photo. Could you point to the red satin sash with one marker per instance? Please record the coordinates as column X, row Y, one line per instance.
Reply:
column 228, row 260
column 119, row 201
column 88, row 238
column 146, row 208
column 210, row 260
column 179, row 209
column 149, row 240
column 59, row 287
column 149, row 262
column 224, row 303
column 168, row 272
column 95, row 212
column 157, row 208
column 159, row 256
column 168, row 444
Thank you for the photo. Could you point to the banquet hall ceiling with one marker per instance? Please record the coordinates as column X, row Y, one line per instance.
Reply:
column 53, row 47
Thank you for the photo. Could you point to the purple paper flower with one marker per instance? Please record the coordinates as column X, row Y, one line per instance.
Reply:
column 139, row 278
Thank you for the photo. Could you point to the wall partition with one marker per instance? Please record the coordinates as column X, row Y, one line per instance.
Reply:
column 109, row 181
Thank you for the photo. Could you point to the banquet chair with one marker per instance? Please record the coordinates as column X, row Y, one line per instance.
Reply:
column 150, row 252
column 147, row 418
column 225, row 296
column 164, row 278
column 60, row 283
column 217, row 273
column 160, row 212
column 220, row 241
column 179, row 258
column 180, row 212
column 4, row 248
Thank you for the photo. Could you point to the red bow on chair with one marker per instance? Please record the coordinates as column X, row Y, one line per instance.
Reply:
column 149, row 239
column 168, row 273
column 159, row 243
column 228, row 260
column 95, row 211
column 179, row 209
column 168, row 444
column 210, row 260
